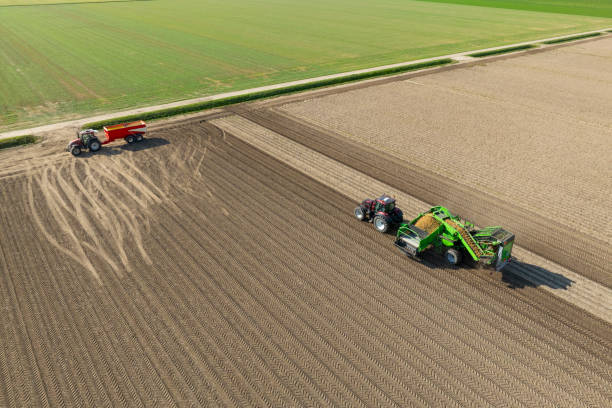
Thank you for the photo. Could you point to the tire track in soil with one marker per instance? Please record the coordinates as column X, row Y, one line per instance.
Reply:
column 543, row 237
column 103, row 354
column 105, row 347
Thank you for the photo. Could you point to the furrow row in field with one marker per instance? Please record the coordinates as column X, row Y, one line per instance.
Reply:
column 349, row 222
column 545, row 237
column 238, row 276
column 98, row 345
column 253, row 248
column 314, row 170
column 357, row 185
column 322, row 210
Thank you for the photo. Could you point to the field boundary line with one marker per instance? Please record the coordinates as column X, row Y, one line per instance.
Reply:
column 460, row 58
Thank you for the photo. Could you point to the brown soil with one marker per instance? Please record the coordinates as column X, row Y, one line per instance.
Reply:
column 193, row 269
column 427, row 223
column 533, row 131
column 579, row 252
column 528, row 267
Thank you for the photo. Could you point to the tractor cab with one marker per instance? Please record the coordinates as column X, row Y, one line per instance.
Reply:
column 86, row 139
column 381, row 211
column 86, row 136
column 384, row 204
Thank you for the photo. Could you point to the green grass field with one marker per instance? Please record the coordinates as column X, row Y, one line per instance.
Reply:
column 47, row 2
column 73, row 60
column 596, row 8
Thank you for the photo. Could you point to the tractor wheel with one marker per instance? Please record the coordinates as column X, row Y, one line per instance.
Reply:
column 360, row 213
column 139, row 137
column 381, row 223
column 453, row 257
column 75, row 150
column 94, row 146
column 130, row 139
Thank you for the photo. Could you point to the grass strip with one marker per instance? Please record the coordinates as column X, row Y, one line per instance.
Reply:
column 17, row 141
column 501, row 51
column 572, row 38
column 200, row 106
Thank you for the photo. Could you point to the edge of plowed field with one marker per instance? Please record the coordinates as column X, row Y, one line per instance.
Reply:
column 460, row 59
column 545, row 237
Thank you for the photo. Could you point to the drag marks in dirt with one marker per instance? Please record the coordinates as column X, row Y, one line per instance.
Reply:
column 101, row 207
column 91, row 221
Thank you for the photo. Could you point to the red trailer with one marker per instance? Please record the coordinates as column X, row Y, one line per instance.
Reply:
column 88, row 139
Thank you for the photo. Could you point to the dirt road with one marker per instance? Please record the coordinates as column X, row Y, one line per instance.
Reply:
column 199, row 270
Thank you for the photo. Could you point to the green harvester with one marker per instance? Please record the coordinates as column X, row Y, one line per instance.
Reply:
column 440, row 231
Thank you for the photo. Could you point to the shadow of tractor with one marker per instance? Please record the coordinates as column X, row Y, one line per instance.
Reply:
column 115, row 149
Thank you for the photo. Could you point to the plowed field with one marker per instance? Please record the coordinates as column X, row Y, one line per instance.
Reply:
column 197, row 270
column 534, row 131
column 218, row 263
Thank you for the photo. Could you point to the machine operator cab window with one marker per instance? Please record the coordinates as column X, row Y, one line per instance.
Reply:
column 385, row 204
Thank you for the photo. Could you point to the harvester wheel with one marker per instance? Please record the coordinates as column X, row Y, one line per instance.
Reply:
column 453, row 257
column 94, row 146
column 360, row 213
column 139, row 137
column 381, row 223
column 75, row 150
column 130, row 139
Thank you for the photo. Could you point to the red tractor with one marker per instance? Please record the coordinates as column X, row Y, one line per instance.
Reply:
column 88, row 139
column 381, row 212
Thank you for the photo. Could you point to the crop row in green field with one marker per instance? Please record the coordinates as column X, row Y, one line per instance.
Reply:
column 69, row 61
column 595, row 8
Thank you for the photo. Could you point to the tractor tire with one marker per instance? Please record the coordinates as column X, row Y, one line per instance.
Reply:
column 381, row 223
column 130, row 139
column 94, row 146
column 453, row 257
column 360, row 214
column 139, row 137
column 75, row 150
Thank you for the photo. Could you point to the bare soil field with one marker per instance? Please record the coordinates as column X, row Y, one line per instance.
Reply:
column 194, row 269
column 533, row 131
column 534, row 270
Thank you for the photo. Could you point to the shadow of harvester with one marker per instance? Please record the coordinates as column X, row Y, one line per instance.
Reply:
column 520, row 275
column 517, row 274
